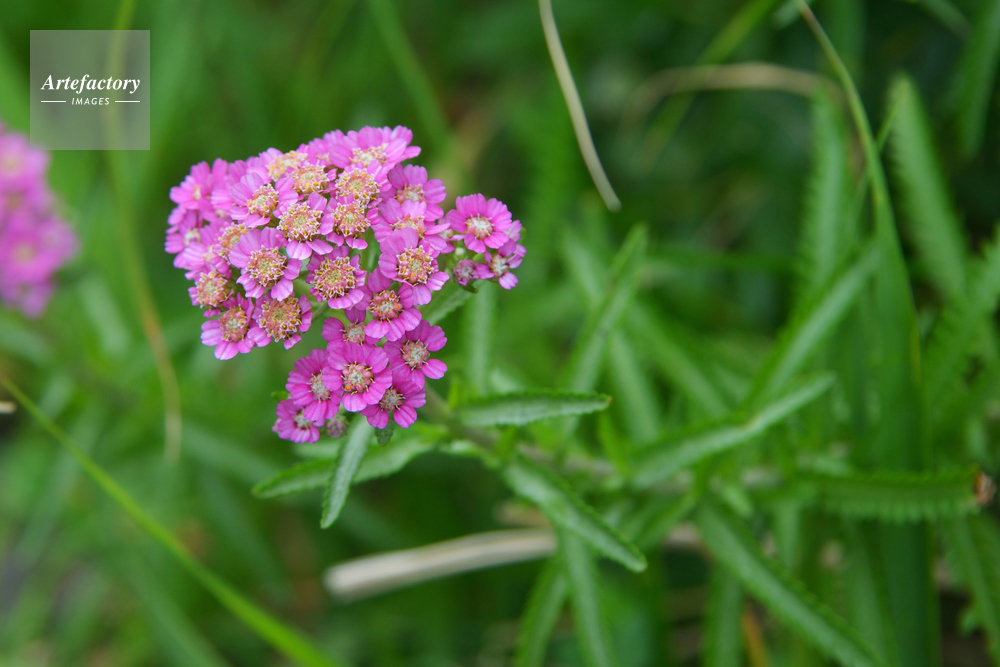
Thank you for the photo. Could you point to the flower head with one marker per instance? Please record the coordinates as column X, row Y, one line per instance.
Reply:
column 394, row 216
column 281, row 320
column 409, row 357
column 229, row 333
column 336, row 332
column 305, row 229
column 410, row 183
column 482, row 222
column 256, row 200
column 386, row 146
column 406, row 259
column 363, row 183
column 292, row 424
column 349, row 220
column 399, row 400
column 499, row 264
column 305, row 387
column 392, row 310
column 265, row 269
column 359, row 373
column 337, row 278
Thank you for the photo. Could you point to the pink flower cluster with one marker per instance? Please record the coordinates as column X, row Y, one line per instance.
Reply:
column 34, row 240
column 341, row 223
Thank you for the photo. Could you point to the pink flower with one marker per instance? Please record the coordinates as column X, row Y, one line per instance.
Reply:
column 292, row 424
column 372, row 144
column 264, row 267
column 409, row 357
column 399, row 400
column 482, row 222
column 337, row 278
column 228, row 334
column 349, row 220
column 281, row 320
column 359, row 373
column 406, row 259
column 465, row 271
column 280, row 164
column 392, row 310
column 195, row 191
column 499, row 264
column 304, row 227
column 337, row 333
column 211, row 289
column 305, row 387
column 411, row 184
column 364, row 183
column 185, row 228
column 256, row 200
column 22, row 168
column 394, row 216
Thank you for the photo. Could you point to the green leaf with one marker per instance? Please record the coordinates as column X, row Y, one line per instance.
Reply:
column 565, row 509
column 548, row 596
column 826, row 238
column 528, row 407
column 445, row 301
column 897, row 495
column 814, row 322
column 923, row 189
column 736, row 549
column 953, row 337
column 722, row 643
column 312, row 474
column 976, row 75
column 384, row 435
column 867, row 591
column 676, row 454
column 588, row 350
column 591, row 631
column 673, row 354
column 350, row 459
column 388, row 460
column 974, row 548
column 283, row 638
column 478, row 332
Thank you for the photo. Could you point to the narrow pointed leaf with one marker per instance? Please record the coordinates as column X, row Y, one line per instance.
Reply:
column 977, row 75
column 313, row 474
column 342, row 477
column 565, row 509
column 815, row 321
column 547, row 599
column 676, row 454
column 974, row 548
column 528, row 407
column 722, row 644
column 733, row 546
column 591, row 630
column 926, row 202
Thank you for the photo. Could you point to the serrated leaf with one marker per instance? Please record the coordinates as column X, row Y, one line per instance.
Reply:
column 974, row 548
column 565, row 509
column 814, row 322
column 924, row 194
column 313, row 474
column 529, row 407
column 826, row 238
column 591, row 630
column 340, row 481
column 897, row 495
column 953, row 337
column 545, row 603
column 675, row 454
column 976, row 74
column 735, row 548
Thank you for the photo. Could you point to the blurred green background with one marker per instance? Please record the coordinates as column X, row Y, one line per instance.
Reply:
column 722, row 201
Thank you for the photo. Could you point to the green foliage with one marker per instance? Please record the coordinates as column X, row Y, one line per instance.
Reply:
column 975, row 75
column 581, row 573
column 974, row 547
column 547, row 598
column 564, row 508
column 339, row 484
column 529, row 407
column 737, row 550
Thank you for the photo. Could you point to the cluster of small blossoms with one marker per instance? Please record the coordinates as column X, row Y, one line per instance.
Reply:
column 34, row 240
column 342, row 223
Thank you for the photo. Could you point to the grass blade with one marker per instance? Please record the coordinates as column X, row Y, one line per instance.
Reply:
column 581, row 572
column 737, row 550
column 923, row 190
column 286, row 640
column 722, row 644
column 547, row 599
column 976, row 76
